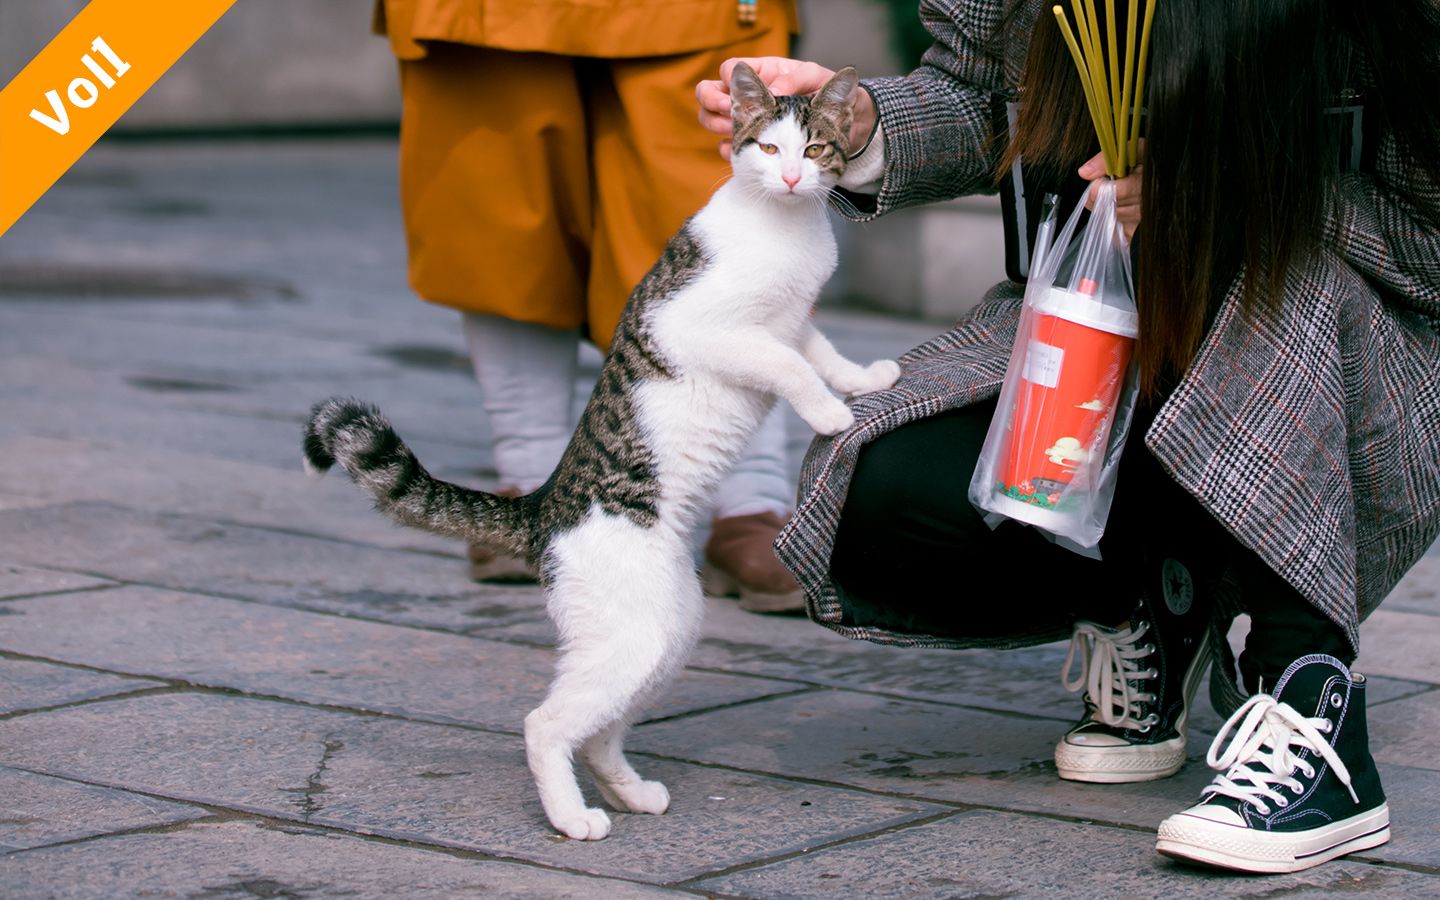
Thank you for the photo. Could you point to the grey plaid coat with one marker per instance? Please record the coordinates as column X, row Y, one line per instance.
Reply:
column 1312, row 434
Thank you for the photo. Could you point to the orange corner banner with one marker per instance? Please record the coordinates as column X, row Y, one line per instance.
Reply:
column 81, row 84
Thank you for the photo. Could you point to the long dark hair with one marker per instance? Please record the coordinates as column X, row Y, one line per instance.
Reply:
column 1240, row 160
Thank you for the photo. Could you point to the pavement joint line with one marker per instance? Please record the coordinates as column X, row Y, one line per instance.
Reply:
column 807, row 851
column 296, row 605
column 78, row 590
column 221, row 814
column 1419, row 868
column 734, row 704
column 1427, row 688
column 165, row 828
column 89, row 701
column 790, row 679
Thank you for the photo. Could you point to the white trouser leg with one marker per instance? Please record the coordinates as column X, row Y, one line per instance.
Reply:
column 527, row 382
column 760, row 481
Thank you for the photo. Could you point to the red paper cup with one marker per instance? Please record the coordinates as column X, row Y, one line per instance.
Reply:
column 1075, row 362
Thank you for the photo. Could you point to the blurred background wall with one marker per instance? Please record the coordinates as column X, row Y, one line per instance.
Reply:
column 298, row 66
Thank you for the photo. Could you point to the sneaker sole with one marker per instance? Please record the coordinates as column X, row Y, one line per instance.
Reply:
column 1195, row 840
column 1123, row 765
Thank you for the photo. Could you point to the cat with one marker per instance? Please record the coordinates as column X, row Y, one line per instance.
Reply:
column 717, row 329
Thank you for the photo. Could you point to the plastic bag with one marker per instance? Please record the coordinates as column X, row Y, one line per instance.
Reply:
column 1053, row 448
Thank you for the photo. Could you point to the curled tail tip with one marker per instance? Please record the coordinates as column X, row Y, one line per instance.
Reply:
column 319, row 433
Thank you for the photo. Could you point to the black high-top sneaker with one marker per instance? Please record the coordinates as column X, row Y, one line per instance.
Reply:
column 1299, row 785
column 1139, row 680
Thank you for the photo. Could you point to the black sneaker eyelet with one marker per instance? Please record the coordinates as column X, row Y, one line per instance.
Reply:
column 1336, row 700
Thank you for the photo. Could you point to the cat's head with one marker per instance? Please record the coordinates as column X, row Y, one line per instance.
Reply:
column 790, row 147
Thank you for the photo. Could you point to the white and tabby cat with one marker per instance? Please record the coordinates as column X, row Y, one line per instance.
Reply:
column 717, row 329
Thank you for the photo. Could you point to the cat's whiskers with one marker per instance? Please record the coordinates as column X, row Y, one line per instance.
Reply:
column 840, row 203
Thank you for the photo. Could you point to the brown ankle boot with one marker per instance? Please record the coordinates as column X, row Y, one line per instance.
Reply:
column 740, row 561
column 496, row 564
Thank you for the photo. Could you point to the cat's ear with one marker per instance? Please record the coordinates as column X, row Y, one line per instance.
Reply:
column 749, row 97
column 836, row 92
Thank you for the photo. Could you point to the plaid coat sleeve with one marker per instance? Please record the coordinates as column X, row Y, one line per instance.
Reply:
column 939, row 136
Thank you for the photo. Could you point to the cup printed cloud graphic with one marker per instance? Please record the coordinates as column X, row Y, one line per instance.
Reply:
column 1094, row 406
column 1067, row 452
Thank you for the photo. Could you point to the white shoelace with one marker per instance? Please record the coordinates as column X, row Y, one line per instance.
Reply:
column 1110, row 673
column 1263, row 752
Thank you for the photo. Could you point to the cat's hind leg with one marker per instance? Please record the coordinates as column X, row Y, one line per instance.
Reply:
column 619, row 783
column 627, row 604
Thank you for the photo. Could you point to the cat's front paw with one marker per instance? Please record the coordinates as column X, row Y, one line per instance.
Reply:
column 832, row 417
column 878, row 376
column 587, row 825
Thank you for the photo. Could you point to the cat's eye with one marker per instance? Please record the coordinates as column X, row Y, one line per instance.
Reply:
column 814, row 150
column 769, row 149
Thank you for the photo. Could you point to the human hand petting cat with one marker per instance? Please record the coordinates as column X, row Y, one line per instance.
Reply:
column 1127, row 191
column 781, row 76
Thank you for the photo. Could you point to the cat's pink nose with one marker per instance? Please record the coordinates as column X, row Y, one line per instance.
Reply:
column 792, row 181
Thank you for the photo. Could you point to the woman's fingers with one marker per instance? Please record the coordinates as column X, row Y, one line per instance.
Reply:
column 1127, row 192
column 714, row 100
column 781, row 75
column 1093, row 168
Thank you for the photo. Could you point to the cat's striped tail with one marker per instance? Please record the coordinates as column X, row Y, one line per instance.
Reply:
column 358, row 437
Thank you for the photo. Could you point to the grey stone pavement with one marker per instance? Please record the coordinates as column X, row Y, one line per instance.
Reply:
column 221, row 679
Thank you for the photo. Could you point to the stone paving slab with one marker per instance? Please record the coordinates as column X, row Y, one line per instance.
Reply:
column 429, row 783
column 152, row 424
column 254, row 435
column 36, row 810
column 794, row 647
column 918, row 749
column 189, row 553
column 317, row 658
column 161, row 481
column 1400, row 645
column 1414, row 797
column 957, row 755
column 1419, row 590
column 987, row 854
column 254, row 859
column 33, row 685
column 1404, row 732
column 21, row 581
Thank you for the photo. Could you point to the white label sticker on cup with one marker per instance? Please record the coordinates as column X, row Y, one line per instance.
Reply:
column 1042, row 364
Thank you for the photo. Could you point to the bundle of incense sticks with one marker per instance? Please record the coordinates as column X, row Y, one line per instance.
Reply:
column 1114, row 104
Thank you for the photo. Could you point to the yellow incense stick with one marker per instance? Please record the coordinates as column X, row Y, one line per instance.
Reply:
column 1124, row 129
column 1079, row 60
column 1112, row 55
column 1086, row 60
column 1113, row 97
column 1140, row 81
column 1102, row 86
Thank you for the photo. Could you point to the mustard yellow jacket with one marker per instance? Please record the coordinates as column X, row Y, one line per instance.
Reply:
column 598, row 28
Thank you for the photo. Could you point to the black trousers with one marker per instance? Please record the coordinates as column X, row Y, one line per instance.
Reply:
column 912, row 554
